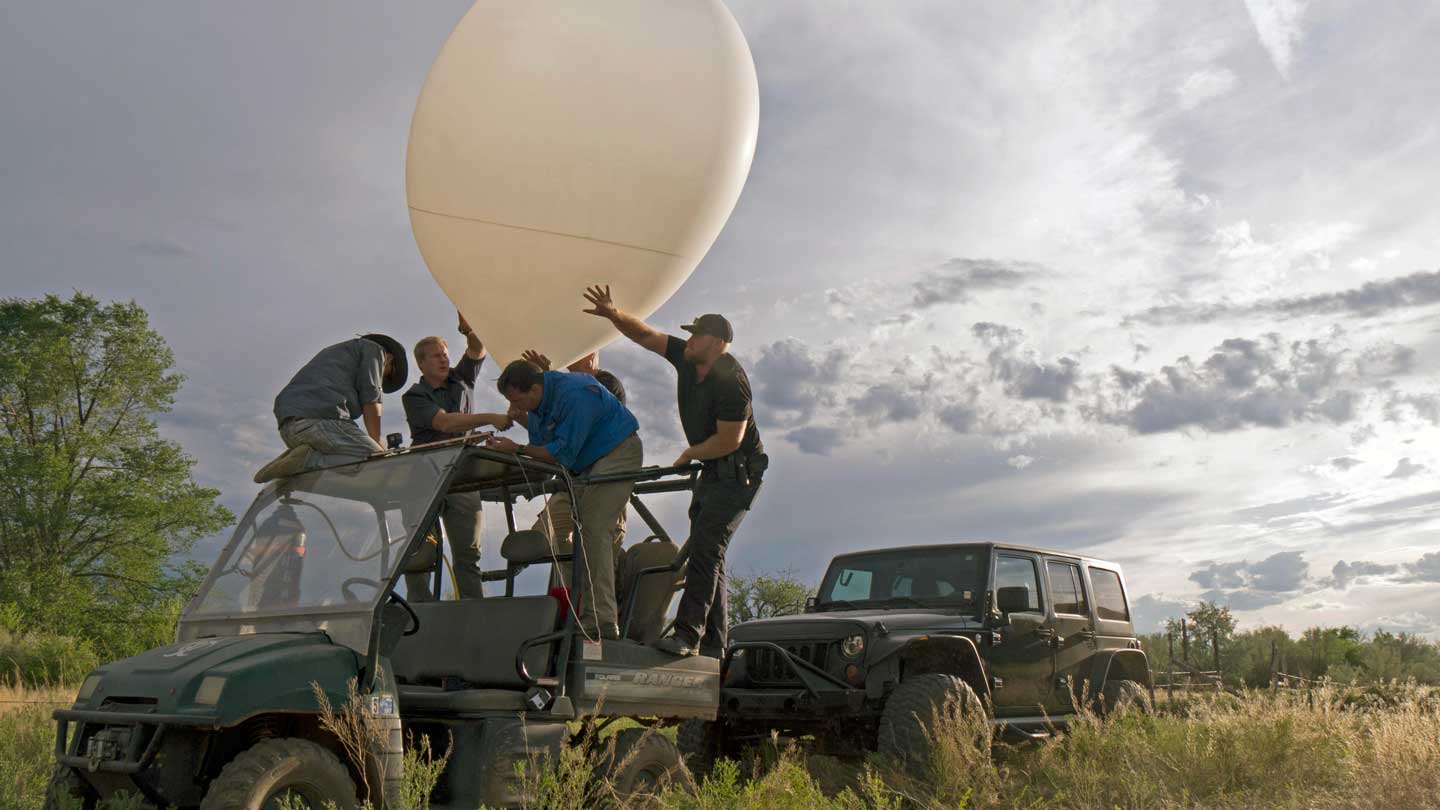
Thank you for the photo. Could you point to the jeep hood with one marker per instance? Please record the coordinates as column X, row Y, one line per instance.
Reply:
column 268, row 668
column 840, row 623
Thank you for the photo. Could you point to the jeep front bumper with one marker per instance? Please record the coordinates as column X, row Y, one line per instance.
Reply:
column 817, row 693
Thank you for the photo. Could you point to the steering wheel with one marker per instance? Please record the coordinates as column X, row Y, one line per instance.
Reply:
column 414, row 619
column 392, row 597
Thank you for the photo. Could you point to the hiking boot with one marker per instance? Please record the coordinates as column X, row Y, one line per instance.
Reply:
column 289, row 463
column 673, row 646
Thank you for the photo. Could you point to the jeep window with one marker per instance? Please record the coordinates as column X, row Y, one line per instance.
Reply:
column 944, row 577
column 1066, row 589
column 1109, row 596
column 1015, row 572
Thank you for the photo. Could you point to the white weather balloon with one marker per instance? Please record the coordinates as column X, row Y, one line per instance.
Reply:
column 561, row 143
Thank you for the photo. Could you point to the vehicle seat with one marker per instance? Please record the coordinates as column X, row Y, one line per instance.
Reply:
column 652, row 592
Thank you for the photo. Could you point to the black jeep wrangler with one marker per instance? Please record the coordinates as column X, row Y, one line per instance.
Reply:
column 1023, row 634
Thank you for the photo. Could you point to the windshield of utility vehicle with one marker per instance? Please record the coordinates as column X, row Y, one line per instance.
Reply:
column 327, row 540
column 932, row 577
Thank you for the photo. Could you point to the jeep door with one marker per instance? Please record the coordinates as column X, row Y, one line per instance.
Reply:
column 1113, row 629
column 1022, row 665
column 1074, row 640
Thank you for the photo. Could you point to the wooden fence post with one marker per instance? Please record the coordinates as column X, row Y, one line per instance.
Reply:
column 1274, row 662
column 1170, row 667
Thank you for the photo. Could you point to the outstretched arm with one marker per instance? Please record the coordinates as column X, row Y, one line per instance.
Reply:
column 474, row 349
column 629, row 325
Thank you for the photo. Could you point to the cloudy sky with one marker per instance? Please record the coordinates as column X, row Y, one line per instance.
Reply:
column 1156, row 282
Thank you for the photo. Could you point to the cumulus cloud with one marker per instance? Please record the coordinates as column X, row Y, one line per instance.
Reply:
column 789, row 376
column 819, row 441
column 1406, row 468
column 1245, row 585
column 956, row 280
column 1278, row 25
column 1369, row 300
column 1345, row 463
column 888, row 402
column 1344, row 574
column 1425, row 569
column 1022, row 375
column 1243, row 383
column 1150, row 612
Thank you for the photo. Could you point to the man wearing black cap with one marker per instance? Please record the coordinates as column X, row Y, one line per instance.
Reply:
column 317, row 409
column 713, row 393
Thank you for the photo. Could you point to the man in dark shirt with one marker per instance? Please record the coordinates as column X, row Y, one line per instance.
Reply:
column 437, row 407
column 317, row 409
column 713, row 393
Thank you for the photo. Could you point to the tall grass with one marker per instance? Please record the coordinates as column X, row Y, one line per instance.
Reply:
column 37, row 660
column 1333, row 750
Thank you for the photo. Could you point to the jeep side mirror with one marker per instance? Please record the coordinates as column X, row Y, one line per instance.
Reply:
column 811, row 602
column 1014, row 599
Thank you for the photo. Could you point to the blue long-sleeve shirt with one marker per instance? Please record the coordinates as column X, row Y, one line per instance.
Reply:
column 579, row 421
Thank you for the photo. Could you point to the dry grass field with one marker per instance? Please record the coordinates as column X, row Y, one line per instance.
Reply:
column 1331, row 750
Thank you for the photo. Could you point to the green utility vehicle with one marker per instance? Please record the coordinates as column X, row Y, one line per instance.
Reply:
column 304, row 596
column 1021, row 634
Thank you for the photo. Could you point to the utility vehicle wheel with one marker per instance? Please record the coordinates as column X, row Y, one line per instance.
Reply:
column 1121, row 696
column 700, row 745
column 912, row 712
column 68, row 791
column 644, row 764
column 272, row 771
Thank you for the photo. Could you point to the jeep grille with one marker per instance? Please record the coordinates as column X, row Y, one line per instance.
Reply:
column 765, row 666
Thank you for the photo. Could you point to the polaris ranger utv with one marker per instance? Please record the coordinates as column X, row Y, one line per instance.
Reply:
column 1022, row 634
column 305, row 593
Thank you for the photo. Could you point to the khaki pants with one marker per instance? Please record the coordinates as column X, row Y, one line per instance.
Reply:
column 334, row 441
column 461, row 515
column 601, row 514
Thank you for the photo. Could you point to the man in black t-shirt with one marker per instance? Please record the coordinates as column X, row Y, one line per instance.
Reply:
column 713, row 393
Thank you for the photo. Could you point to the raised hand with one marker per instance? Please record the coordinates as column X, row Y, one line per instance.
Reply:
column 464, row 325
column 601, row 303
column 532, row 356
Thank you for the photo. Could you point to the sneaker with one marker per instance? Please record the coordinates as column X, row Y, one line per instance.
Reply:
column 673, row 646
column 289, row 463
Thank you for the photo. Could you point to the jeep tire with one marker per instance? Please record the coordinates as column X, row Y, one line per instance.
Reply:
column 271, row 769
column 1121, row 695
column 67, row 789
column 700, row 745
column 912, row 711
column 643, row 764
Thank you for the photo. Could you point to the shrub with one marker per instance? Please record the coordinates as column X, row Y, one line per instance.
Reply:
column 41, row 660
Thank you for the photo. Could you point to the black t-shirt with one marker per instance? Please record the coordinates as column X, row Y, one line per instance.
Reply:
column 723, row 396
column 423, row 401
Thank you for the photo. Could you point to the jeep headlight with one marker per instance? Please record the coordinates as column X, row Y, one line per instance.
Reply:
column 853, row 646
column 88, row 688
column 209, row 692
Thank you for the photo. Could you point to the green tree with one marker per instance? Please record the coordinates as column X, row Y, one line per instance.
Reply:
column 764, row 596
column 94, row 504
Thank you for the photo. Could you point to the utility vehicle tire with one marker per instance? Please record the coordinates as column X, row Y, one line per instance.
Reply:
column 67, row 789
column 1121, row 695
column 260, row 776
column 644, row 764
column 907, row 723
column 700, row 745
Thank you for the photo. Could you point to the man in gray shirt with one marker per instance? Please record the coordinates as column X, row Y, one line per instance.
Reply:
column 317, row 409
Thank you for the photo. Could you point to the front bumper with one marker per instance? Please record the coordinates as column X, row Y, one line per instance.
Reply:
column 819, row 694
column 129, row 755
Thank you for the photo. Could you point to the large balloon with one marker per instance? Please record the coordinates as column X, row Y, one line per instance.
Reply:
column 560, row 143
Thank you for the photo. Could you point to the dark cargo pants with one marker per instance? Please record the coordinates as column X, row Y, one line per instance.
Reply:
column 716, row 509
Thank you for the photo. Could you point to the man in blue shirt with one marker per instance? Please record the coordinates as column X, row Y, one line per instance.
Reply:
column 573, row 421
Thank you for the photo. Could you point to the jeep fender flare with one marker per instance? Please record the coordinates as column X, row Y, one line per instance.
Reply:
column 1129, row 665
column 949, row 654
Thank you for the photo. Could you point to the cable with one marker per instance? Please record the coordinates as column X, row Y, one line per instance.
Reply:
column 550, row 545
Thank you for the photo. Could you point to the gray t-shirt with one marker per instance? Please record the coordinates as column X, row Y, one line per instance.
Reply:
column 336, row 382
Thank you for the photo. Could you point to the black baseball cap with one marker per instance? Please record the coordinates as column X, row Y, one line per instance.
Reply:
column 400, row 371
column 713, row 325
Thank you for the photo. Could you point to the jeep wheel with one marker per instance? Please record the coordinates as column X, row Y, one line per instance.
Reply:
column 912, row 712
column 643, row 765
column 68, row 791
column 1121, row 696
column 700, row 745
column 279, row 773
